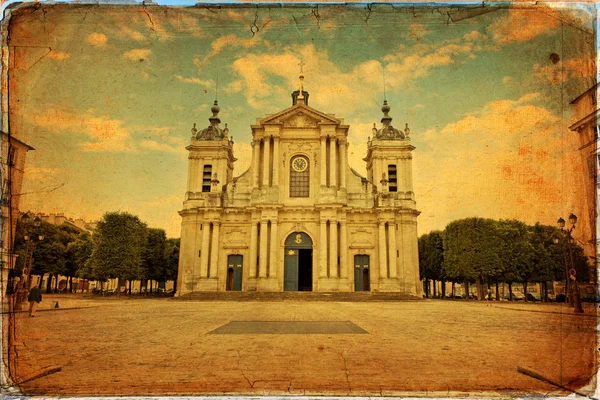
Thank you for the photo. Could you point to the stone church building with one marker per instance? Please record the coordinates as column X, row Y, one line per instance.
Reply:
column 299, row 219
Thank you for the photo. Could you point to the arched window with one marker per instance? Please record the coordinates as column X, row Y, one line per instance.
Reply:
column 299, row 177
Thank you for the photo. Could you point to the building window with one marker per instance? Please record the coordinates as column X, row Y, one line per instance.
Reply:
column 299, row 177
column 12, row 157
column 393, row 178
column 6, row 193
column 206, row 177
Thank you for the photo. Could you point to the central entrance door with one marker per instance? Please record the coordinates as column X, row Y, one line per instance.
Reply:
column 361, row 273
column 298, row 263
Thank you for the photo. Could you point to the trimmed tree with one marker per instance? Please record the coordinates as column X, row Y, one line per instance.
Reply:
column 119, row 243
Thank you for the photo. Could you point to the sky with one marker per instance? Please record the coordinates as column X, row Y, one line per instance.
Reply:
column 107, row 95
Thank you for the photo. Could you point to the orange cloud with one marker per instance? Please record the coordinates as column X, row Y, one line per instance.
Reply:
column 137, row 54
column 106, row 134
column 508, row 159
column 573, row 68
column 196, row 81
column 97, row 39
column 522, row 24
column 58, row 55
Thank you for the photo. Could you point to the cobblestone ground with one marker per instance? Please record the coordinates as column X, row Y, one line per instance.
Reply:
column 163, row 346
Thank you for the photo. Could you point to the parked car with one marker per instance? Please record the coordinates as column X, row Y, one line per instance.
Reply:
column 560, row 298
column 531, row 297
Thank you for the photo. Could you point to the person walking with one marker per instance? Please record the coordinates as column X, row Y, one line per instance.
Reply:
column 488, row 296
column 35, row 297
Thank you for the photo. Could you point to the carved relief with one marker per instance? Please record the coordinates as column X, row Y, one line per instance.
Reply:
column 300, row 145
column 361, row 237
column 301, row 120
column 299, row 227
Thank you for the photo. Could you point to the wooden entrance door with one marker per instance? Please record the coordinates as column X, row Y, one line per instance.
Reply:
column 361, row 273
column 234, row 272
column 298, row 255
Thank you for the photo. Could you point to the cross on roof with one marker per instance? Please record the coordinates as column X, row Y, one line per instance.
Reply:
column 301, row 64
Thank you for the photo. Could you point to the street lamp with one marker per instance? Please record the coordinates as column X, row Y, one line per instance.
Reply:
column 21, row 294
column 575, row 295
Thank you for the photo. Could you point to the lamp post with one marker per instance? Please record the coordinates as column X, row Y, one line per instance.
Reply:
column 25, row 281
column 575, row 295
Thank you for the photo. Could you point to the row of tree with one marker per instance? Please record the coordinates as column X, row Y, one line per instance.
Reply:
column 122, row 246
column 489, row 251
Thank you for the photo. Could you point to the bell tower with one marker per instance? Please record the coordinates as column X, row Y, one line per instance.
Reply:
column 389, row 159
column 210, row 160
column 389, row 169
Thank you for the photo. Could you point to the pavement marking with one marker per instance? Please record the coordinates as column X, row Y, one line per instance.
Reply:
column 289, row 328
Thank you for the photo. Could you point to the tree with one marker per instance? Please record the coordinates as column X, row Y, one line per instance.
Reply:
column 516, row 254
column 119, row 242
column 80, row 251
column 47, row 256
column 431, row 258
column 470, row 251
column 172, row 264
column 155, row 255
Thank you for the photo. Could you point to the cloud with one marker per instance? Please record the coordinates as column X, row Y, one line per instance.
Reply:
column 97, row 39
column 132, row 34
column 521, row 25
column 223, row 42
column 164, row 200
column 418, row 30
column 507, row 159
column 197, row 81
column 573, row 68
column 243, row 153
column 58, row 55
column 137, row 54
column 263, row 77
column 153, row 145
column 41, row 174
column 106, row 134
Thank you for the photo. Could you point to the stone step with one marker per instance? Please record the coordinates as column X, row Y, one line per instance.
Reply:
column 296, row 296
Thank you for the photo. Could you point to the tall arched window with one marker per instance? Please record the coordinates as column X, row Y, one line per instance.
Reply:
column 299, row 177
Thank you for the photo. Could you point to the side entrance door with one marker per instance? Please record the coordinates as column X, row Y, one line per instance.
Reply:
column 361, row 273
column 234, row 272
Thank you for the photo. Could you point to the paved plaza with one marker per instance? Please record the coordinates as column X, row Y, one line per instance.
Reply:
column 96, row 346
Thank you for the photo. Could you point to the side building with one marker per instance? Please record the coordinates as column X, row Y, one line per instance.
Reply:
column 299, row 219
column 13, row 168
column 586, row 126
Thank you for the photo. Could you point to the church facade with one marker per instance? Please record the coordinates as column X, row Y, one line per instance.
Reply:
column 299, row 219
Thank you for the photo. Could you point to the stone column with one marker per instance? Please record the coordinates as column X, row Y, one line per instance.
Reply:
column 214, row 251
column 392, row 249
column 332, row 162
column 323, row 162
column 382, row 251
column 323, row 249
column 409, row 174
column 333, row 262
column 191, row 174
column 253, row 249
column 266, row 162
column 343, row 251
column 262, row 268
column 276, row 161
column 255, row 162
column 343, row 163
column 205, row 250
column 274, row 251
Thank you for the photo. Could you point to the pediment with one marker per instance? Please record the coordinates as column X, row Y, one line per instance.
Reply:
column 300, row 116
